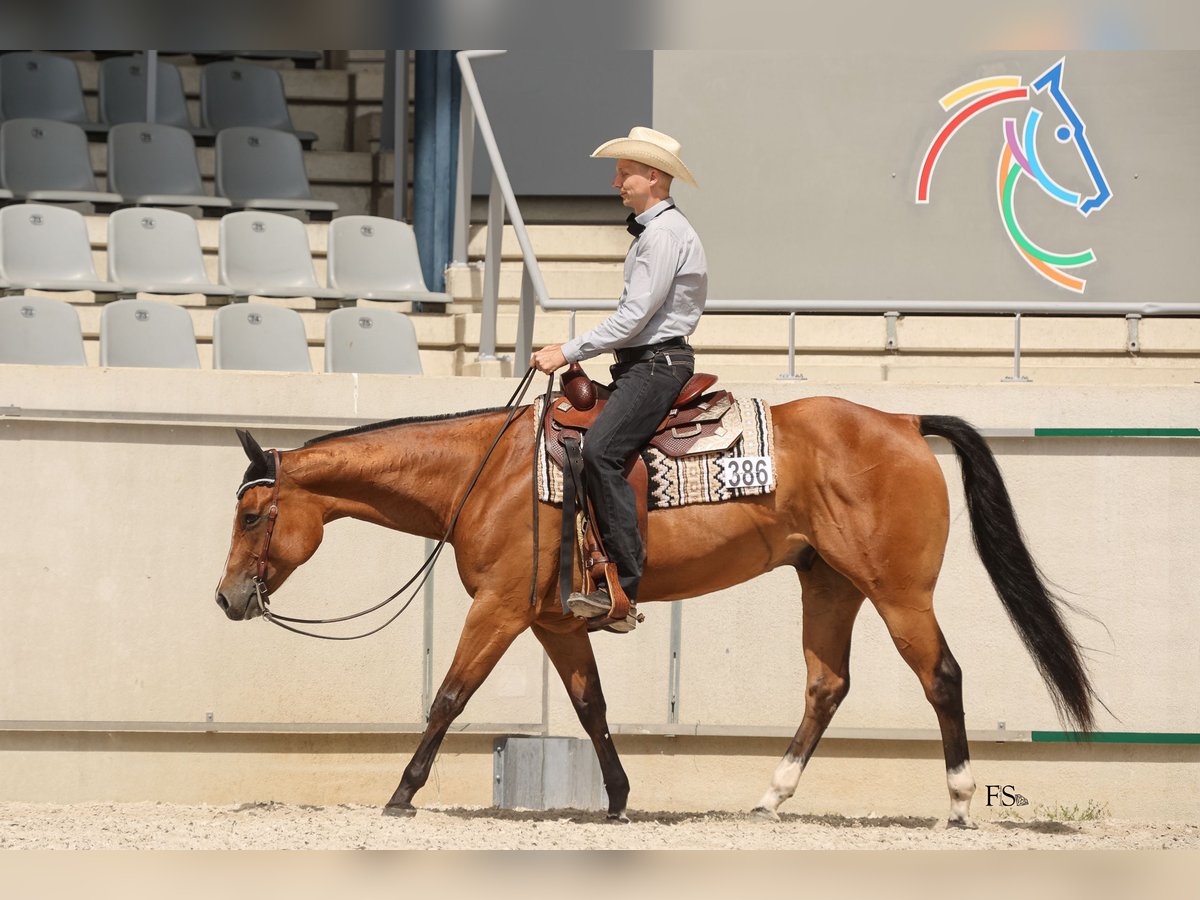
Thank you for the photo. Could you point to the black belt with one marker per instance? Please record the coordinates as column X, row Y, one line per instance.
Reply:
column 649, row 351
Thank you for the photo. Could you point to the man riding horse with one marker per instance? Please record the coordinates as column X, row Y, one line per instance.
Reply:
column 666, row 283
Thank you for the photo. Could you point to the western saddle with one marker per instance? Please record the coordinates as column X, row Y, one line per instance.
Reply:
column 693, row 426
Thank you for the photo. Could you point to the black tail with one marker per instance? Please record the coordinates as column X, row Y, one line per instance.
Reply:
column 1032, row 607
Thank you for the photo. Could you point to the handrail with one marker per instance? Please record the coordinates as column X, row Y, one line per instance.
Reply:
column 1133, row 312
column 532, row 284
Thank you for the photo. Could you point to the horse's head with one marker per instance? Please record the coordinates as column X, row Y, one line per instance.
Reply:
column 278, row 525
column 1069, row 130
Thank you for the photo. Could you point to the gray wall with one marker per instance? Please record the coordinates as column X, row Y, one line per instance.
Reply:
column 551, row 109
column 808, row 167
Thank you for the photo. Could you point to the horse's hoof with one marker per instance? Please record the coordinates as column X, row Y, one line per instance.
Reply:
column 767, row 815
column 619, row 818
column 405, row 811
column 964, row 824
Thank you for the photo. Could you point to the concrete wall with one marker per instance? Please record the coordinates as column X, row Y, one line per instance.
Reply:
column 119, row 500
column 808, row 184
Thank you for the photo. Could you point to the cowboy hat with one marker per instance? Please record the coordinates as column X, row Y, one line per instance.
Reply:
column 649, row 147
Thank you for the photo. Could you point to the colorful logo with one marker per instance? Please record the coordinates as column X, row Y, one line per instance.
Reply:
column 1019, row 158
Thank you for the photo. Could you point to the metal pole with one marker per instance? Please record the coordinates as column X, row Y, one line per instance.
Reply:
column 151, row 85
column 466, row 162
column 491, row 273
column 400, row 135
column 525, row 322
column 791, row 372
column 1016, row 375
column 673, row 666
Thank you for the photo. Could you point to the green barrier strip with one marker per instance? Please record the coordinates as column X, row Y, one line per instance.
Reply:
column 1116, row 432
column 1115, row 737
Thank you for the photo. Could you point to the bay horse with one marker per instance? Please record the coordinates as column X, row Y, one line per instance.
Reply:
column 860, row 510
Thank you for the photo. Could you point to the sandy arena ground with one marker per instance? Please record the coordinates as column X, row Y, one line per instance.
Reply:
column 269, row 826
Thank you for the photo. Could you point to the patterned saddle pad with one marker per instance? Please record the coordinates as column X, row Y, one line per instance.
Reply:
column 745, row 469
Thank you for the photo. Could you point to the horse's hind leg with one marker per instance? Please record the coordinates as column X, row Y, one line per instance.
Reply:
column 831, row 603
column 492, row 625
column 915, row 631
column 569, row 648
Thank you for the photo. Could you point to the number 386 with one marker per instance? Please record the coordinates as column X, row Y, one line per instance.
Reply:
column 747, row 473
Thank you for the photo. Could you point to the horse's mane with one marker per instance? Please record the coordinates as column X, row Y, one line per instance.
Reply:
column 393, row 423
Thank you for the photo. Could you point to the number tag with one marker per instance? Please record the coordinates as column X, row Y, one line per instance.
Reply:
column 746, row 471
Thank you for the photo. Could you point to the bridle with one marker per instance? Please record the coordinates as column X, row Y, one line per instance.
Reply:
column 262, row 592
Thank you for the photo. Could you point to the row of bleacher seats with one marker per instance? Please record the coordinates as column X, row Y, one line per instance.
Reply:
column 248, row 336
column 158, row 251
column 152, row 164
column 36, row 85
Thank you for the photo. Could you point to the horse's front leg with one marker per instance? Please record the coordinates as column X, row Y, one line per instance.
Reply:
column 569, row 648
column 492, row 625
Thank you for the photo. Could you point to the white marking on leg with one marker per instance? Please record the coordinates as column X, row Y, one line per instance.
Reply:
column 962, row 787
column 783, row 783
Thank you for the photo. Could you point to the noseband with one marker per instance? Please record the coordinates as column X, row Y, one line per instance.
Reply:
column 261, row 592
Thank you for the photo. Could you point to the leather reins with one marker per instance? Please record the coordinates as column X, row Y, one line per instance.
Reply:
column 262, row 593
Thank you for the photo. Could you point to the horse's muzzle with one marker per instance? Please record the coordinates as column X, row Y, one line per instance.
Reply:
column 250, row 608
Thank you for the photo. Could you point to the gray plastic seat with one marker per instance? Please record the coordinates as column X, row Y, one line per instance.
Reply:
column 40, row 331
column 149, row 334
column 35, row 85
column 371, row 340
column 47, row 248
column 267, row 254
column 155, row 165
column 260, row 337
column 123, row 94
column 48, row 161
column 234, row 92
column 158, row 251
column 376, row 259
column 259, row 168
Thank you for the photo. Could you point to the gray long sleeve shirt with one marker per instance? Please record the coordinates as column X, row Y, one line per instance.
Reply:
column 666, row 284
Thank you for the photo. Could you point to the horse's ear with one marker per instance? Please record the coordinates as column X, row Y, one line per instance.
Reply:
column 250, row 445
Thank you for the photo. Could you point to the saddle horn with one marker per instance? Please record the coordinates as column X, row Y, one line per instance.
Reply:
column 578, row 388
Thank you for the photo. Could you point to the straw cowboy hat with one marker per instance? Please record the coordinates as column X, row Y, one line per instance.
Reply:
column 650, row 147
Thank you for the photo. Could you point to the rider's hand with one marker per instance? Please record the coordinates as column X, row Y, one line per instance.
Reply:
column 549, row 359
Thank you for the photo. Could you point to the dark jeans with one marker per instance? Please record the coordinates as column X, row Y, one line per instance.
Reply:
column 642, row 394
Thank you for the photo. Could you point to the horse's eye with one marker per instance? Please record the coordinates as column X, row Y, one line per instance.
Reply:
column 250, row 519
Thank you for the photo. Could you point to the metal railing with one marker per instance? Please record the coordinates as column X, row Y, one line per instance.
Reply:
column 500, row 200
column 892, row 310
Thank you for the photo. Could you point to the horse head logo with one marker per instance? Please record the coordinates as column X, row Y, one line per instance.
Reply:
column 1019, row 158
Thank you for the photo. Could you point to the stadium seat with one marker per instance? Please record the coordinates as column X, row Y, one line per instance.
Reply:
column 40, row 331
column 376, row 259
column 260, row 337
column 36, row 85
column 47, row 248
column 123, row 95
column 259, row 168
column 149, row 334
column 267, row 254
column 48, row 162
column 235, row 92
column 155, row 165
column 158, row 251
column 371, row 340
